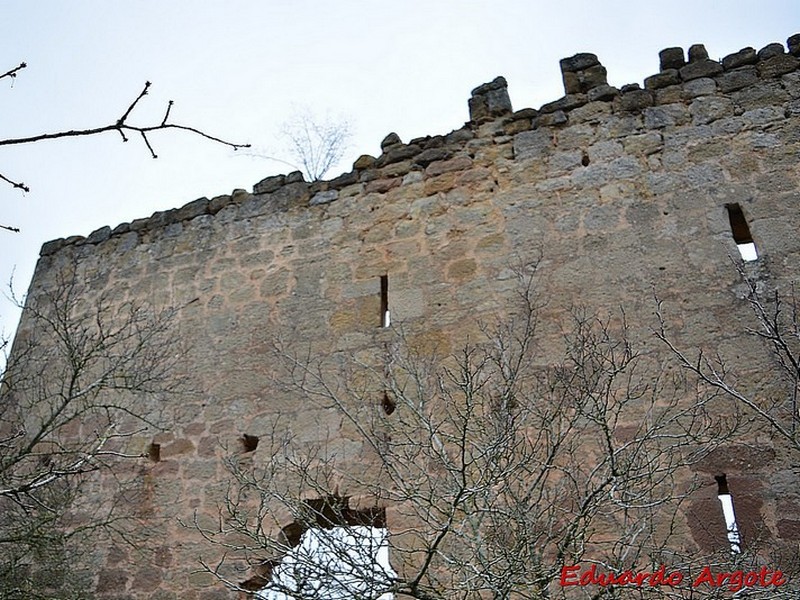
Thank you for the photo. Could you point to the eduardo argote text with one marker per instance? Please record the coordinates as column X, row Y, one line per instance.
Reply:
column 734, row 581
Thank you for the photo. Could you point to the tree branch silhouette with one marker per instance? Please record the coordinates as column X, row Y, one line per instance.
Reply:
column 121, row 125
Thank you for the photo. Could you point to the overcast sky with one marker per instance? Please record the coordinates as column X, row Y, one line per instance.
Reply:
column 236, row 68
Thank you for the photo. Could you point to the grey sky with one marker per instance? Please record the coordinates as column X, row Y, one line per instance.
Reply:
column 235, row 68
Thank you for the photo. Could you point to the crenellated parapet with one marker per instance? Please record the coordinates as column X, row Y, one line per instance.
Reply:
column 688, row 87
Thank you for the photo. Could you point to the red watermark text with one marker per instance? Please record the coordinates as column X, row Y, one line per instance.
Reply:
column 734, row 581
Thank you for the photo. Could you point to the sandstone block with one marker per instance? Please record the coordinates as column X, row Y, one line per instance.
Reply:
column 737, row 79
column 532, row 144
column 770, row 50
column 777, row 65
column 700, row 68
column 671, row 58
column 666, row 78
column 697, row 53
column 390, row 140
column 745, row 56
column 269, row 184
column 323, row 197
column 490, row 100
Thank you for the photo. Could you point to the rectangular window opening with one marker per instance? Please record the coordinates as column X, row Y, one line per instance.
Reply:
column 741, row 233
column 386, row 319
column 725, row 498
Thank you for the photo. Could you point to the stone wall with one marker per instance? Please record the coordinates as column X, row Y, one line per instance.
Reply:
column 623, row 193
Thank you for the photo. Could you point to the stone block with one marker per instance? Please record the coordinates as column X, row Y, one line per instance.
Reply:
column 634, row 100
column 745, row 56
column 532, row 144
column 566, row 103
column 99, row 235
column 697, row 53
column 700, row 68
column 793, row 43
column 770, row 50
column 365, row 161
column 778, row 65
column 51, row 247
column 737, row 79
column 558, row 117
column 671, row 58
column 490, row 101
column 323, row 197
column 343, row 180
column 666, row 78
column 703, row 86
column 269, row 184
column 430, row 155
column 602, row 92
column 192, row 209
column 666, row 115
column 707, row 109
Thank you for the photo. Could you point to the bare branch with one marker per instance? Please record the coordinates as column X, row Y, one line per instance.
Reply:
column 121, row 126
column 13, row 72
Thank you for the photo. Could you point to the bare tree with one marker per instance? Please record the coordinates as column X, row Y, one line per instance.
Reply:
column 316, row 144
column 122, row 125
column 83, row 379
column 776, row 322
column 496, row 472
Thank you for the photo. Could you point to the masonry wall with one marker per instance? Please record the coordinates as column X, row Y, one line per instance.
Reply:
column 622, row 192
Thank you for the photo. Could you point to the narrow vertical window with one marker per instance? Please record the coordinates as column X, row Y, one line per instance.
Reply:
column 385, row 316
column 741, row 233
column 725, row 498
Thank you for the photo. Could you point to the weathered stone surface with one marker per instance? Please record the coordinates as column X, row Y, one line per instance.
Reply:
column 700, row 68
column 269, row 184
column 558, row 117
column 661, row 80
column 671, row 58
column 343, row 180
column 665, row 115
column 426, row 157
column 295, row 177
column 525, row 113
column 490, row 100
column 579, row 62
column 582, row 81
column 793, row 43
column 770, row 50
column 192, row 209
column 390, row 140
column 397, row 153
column 745, row 56
column 697, row 53
column 602, row 92
column 323, row 197
column 381, row 186
column 737, row 79
column 635, row 100
column 445, row 166
column 566, row 103
column 99, row 235
column 707, row 109
column 776, row 66
column 121, row 228
column 459, row 136
column 216, row 204
column 703, row 86
column 365, row 161
column 532, row 144
column 52, row 247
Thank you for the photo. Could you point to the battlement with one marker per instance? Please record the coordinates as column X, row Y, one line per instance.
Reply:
column 696, row 90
